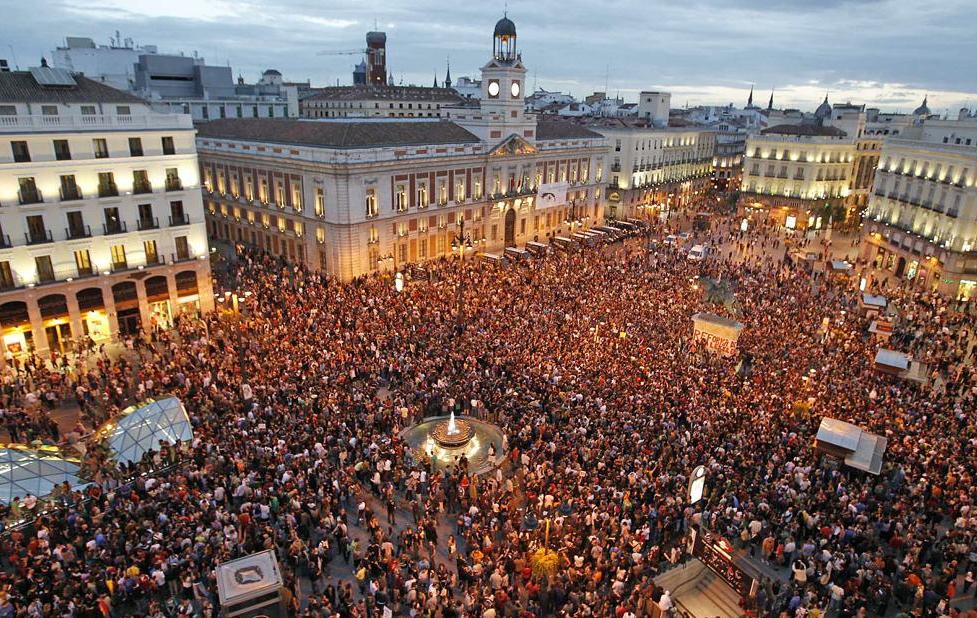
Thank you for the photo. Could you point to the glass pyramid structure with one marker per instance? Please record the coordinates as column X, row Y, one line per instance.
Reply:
column 35, row 471
column 140, row 429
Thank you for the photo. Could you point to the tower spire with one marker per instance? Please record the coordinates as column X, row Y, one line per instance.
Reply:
column 770, row 104
column 749, row 101
column 447, row 75
column 435, row 79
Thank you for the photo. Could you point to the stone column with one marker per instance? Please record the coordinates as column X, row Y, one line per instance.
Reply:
column 74, row 315
column 144, row 312
column 205, row 286
column 109, row 301
column 37, row 325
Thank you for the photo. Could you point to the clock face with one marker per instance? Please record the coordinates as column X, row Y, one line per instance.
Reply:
column 493, row 89
column 515, row 90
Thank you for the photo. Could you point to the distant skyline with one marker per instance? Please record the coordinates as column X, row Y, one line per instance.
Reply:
column 883, row 53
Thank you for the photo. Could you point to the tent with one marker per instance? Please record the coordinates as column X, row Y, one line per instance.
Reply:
column 36, row 471
column 141, row 429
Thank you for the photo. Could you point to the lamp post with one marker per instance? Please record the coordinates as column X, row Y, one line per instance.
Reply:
column 697, row 486
column 460, row 244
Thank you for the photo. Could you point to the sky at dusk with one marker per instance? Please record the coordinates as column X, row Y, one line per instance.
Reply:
column 885, row 53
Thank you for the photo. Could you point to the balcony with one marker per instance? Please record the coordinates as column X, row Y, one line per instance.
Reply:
column 178, row 220
column 119, row 227
column 118, row 267
column 142, row 187
column 5, row 241
column 174, row 184
column 616, row 167
column 153, row 260
column 108, row 190
column 38, row 237
column 77, row 231
column 22, row 122
column 180, row 257
column 30, row 196
column 69, row 194
column 147, row 224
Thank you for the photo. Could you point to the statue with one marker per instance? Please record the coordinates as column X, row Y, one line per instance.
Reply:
column 719, row 292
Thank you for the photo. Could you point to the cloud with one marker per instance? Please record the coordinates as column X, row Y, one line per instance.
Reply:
column 709, row 51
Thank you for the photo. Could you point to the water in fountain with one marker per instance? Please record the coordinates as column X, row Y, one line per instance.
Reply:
column 452, row 428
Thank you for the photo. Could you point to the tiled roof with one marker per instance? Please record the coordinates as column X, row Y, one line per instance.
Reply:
column 20, row 87
column 804, row 129
column 340, row 135
column 559, row 129
column 385, row 93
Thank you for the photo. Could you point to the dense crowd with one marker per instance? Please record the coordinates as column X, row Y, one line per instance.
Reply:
column 586, row 361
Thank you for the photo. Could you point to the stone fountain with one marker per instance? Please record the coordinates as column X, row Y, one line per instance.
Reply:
column 443, row 440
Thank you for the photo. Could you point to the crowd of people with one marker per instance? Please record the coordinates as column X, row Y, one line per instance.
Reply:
column 586, row 361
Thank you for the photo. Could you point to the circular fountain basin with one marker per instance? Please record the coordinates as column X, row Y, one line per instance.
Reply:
column 429, row 440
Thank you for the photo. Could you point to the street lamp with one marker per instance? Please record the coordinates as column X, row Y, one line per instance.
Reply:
column 461, row 245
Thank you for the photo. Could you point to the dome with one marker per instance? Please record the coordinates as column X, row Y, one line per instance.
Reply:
column 272, row 72
column 823, row 110
column 922, row 110
column 505, row 27
column 376, row 38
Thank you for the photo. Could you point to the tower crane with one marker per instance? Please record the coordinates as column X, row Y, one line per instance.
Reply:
column 341, row 52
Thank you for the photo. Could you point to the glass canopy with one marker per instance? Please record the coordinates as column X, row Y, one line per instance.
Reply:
column 142, row 428
column 35, row 471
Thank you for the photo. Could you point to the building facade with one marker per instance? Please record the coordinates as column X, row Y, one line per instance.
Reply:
column 380, row 101
column 353, row 197
column 102, row 220
column 921, row 222
column 654, row 170
column 799, row 175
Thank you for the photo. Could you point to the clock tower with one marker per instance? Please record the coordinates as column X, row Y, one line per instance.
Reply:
column 503, row 88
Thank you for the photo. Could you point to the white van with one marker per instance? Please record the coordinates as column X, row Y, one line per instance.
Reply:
column 697, row 253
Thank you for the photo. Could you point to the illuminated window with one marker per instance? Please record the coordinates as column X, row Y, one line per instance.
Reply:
column 371, row 203
column 320, row 234
column 320, row 202
column 400, row 198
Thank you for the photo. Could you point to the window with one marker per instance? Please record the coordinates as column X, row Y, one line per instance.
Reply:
column 182, row 248
column 297, row 199
column 371, row 203
column 173, row 182
column 119, row 257
column 400, row 195
column 113, row 224
column 106, row 185
column 101, row 148
column 76, row 225
column 477, row 189
column 320, row 202
column 45, row 270
column 61, row 150
column 49, row 110
column 36, row 232
column 442, row 193
column 422, row 196
column 135, row 147
column 146, row 220
column 320, row 234
column 149, row 248
column 223, row 111
column 168, row 147
column 271, row 111
column 140, row 182
column 21, row 152
column 177, row 216
column 28, row 192
column 83, row 262
column 8, row 110
column 69, row 188
column 122, row 110
column 6, row 276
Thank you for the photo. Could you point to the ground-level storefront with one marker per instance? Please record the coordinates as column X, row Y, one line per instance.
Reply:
column 792, row 213
column 907, row 258
column 70, row 315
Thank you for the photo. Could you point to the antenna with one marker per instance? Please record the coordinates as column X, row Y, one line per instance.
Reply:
column 607, row 74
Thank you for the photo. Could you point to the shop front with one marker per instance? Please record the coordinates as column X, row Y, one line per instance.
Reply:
column 127, row 307
column 158, row 297
column 57, row 325
column 15, row 328
column 187, row 294
column 94, row 318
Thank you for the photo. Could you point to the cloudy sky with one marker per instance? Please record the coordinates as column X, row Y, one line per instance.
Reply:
column 887, row 53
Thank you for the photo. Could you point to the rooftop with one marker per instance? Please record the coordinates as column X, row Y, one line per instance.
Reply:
column 804, row 129
column 22, row 87
column 339, row 135
column 367, row 92
column 560, row 129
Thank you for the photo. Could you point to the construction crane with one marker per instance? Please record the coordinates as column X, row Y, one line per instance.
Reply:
column 343, row 52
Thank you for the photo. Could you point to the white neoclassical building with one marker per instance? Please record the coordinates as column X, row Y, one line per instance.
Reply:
column 101, row 220
column 798, row 174
column 921, row 221
column 653, row 169
column 353, row 196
